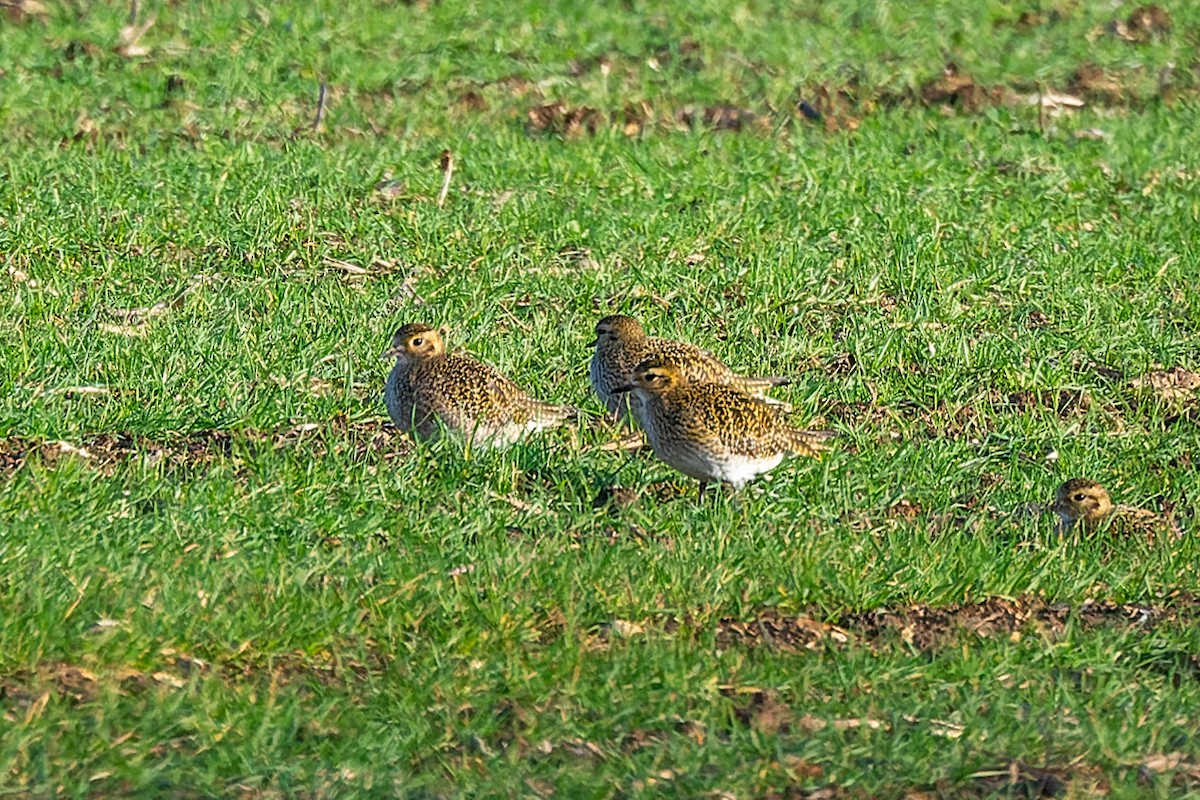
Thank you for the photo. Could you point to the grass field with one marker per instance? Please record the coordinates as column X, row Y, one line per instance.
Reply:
column 222, row 573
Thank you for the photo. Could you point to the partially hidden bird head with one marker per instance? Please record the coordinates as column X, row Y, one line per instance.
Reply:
column 414, row 342
column 1081, row 500
column 618, row 329
column 655, row 375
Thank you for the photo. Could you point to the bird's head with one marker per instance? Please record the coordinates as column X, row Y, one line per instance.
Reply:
column 416, row 341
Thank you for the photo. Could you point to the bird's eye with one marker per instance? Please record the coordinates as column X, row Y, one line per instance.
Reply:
column 417, row 342
column 1079, row 498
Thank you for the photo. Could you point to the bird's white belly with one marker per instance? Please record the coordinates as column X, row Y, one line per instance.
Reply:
column 740, row 470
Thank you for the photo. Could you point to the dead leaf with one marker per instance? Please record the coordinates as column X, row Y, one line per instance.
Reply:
column 74, row 391
column 67, row 447
column 1144, row 24
column 20, row 11
column 1173, row 384
column 167, row 679
column 1162, row 763
column 720, row 117
column 472, row 101
column 1053, row 99
column 137, row 316
column 446, row 164
column 1095, row 83
column 515, row 502
column 134, row 331
column 763, row 712
column 938, row 727
column 625, row 629
column 560, row 119
column 858, row 722
column 129, row 40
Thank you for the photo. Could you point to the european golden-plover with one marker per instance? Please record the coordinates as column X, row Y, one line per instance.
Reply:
column 621, row 344
column 430, row 390
column 1086, row 504
column 713, row 432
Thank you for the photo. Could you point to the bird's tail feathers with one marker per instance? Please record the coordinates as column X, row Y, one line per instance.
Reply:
column 760, row 385
column 810, row 443
column 552, row 414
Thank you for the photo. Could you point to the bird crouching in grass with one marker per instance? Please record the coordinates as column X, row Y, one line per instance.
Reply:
column 430, row 391
column 1083, row 505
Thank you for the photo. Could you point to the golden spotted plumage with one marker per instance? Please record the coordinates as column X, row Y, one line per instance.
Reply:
column 711, row 431
column 621, row 344
column 1086, row 504
column 430, row 390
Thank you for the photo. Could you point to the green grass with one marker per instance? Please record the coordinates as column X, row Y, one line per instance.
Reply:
column 251, row 606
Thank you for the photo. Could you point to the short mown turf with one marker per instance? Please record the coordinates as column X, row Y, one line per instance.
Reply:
column 222, row 573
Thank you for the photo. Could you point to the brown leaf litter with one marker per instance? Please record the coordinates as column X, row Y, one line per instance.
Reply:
column 957, row 89
column 1176, row 383
column 563, row 120
column 927, row 627
column 1063, row 402
column 634, row 117
column 24, row 693
column 721, row 117
column 931, row 627
column 1145, row 24
column 1103, row 86
column 779, row 632
column 20, row 11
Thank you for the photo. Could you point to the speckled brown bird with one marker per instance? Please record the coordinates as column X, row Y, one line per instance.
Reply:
column 714, row 432
column 429, row 391
column 621, row 344
column 1086, row 504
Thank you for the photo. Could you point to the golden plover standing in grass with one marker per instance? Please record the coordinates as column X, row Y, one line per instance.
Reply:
column 429, row 390
column 621, row 344
column 714, row 432
column 1086, row 503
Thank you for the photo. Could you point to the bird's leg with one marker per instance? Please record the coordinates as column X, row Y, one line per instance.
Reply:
column 703, row 486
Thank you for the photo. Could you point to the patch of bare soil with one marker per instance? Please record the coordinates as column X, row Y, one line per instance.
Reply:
column 1011, row 778
column 840, row 106
column 1176, row 383
column 1145, row 24
column 26, row 691
column 106, row 451
column 779, row 632
column 292, row 668
column 620, row 497
column 1099, row 85
column 1015, row 779
column 932, row 627
column 721, row 117
column 929, row 628
column 563, row 120
column 634, row 117
column 954, row 89
column 1064, row 402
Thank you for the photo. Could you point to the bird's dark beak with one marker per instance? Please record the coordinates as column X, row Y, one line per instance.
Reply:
column 391, row 352
column 623, row 389
column 595, row 342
